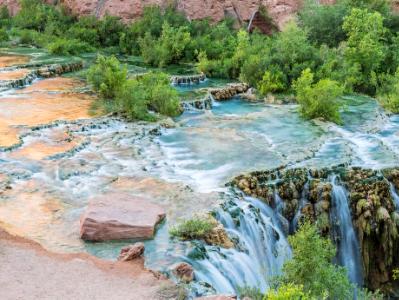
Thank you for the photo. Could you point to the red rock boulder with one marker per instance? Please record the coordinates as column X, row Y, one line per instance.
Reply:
column 116, row 216
column 131, row 252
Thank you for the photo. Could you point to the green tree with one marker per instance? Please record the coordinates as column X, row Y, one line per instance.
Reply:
column 107, row 76
column 318, row 100
column 288, row 292
column 365, row 47
column 323, row 22
column 312, row 269
column 388, row 95
column 271, row 82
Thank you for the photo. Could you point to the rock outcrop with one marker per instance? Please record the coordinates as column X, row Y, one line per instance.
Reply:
column 116, row 216
column 128, row 10
column 308, row 193
column 131, row 252
column 228, row 91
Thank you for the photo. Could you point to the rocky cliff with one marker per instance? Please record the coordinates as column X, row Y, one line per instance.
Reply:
column 128, row 10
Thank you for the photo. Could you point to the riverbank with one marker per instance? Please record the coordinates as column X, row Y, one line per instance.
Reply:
column 31, row 272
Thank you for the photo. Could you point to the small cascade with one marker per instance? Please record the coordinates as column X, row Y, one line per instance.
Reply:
column 188, row 80
column 260, row 252
column 18, row 83
column 395, row 195
column 347, row 243
column 202, row 104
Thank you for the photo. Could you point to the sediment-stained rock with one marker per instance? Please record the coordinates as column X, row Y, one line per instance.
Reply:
column 116, row 216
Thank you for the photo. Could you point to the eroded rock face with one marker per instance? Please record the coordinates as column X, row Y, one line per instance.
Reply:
column 131, row 252
column 128, row 10
column 228, row 91
column 115, row 216
column 371, row 202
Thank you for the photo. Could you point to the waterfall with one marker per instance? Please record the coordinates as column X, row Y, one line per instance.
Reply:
column 260, row 252
column 395, row 195
column 348, row 246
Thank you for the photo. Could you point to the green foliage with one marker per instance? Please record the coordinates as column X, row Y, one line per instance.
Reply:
column 193, row 229
column 162, row 98
column 311, row 267
column 288, row 291
column 250, row 292
column 364, row 294
column 62, row 46
column 5, row 18
column 388, row 94
column 395, row 274
column 3, row 35
column 324, row 22
column 107, row 76
column 271, row 82
column 365, row 47
column 169, row 48
column 132, row 101
column 318, row 100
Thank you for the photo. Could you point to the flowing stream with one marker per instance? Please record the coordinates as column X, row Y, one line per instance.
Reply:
column 185, row 169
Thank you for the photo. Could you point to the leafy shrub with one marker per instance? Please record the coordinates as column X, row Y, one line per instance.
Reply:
column 324, row 22
column 365, row 46
column 192, row 229
column 250, row 293
column 311, row 267
column 107, row 76
column 150, row 91
column 318, row 100
column 3, row 35
column 169, row 48
column 63, row 46
column 389, row 97
column 271, row 82
column 133, row 102
column 288, row 292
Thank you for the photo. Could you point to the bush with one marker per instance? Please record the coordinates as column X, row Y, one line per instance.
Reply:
column 389, row 98
column 193, row 229
column 3, row 35
column 365, row 46
column 312, row 269
column 107, row 76
column 271, row 82
column 324, row 22
column 169, row 48
column 63, row 46
column 250, row 293
column 132, row 101
column 318, row 100
column 288, row 292
column 150, row 91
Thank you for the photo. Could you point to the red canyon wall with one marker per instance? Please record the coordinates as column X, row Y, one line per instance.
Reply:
column 129, row 10
column 280, row 10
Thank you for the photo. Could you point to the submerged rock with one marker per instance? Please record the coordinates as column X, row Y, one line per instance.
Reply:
column 116, row 216
column 131, row 252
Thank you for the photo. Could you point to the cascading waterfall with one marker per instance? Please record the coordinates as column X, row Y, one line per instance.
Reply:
column 259, row 255
column 348, row 246
column 395, row 195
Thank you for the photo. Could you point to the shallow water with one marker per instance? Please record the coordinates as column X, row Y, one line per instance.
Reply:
column 58, row 168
